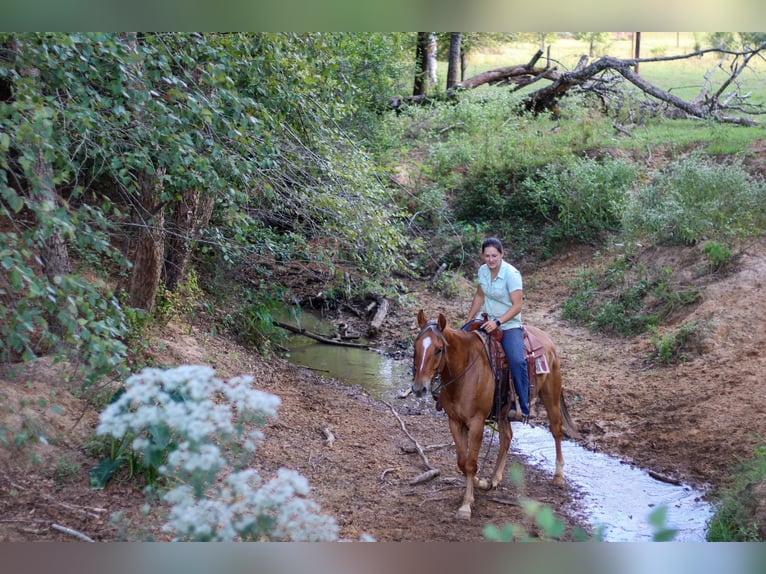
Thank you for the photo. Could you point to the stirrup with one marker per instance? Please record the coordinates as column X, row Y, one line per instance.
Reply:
column 516, row 416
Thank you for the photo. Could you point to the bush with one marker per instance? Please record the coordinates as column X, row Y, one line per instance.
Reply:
column 624, row 299
column 696, row 199
column 672, row 347
column 199, row 432
column 718, row 255
column 583, row 200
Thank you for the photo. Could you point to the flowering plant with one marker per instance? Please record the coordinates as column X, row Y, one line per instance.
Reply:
column 182, row 420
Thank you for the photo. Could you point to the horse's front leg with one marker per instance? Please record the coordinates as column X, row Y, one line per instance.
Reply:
column 460, row 435
column 471, row 466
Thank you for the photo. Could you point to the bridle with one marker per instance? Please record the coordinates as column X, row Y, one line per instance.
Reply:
column 436, row 386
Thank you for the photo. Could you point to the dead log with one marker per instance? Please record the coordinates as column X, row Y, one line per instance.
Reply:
column 380, row 316
column 663, row 478
column 602, row 77
column 320, row 338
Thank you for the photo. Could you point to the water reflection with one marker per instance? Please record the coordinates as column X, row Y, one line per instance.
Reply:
column 381, row 375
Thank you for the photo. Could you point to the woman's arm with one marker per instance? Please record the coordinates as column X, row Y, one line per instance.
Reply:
column 476, row 304
column 517, row 297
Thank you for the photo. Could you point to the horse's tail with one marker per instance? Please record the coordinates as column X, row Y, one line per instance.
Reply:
column 569, row 428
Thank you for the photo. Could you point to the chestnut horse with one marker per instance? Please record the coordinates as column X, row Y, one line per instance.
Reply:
column 467, row 396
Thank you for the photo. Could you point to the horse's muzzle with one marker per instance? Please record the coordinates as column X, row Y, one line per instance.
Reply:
column 418, row 390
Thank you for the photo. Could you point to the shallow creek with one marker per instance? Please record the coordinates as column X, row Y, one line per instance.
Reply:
column 615, row 495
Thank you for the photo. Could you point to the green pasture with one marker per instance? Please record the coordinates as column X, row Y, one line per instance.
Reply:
column 684, row 78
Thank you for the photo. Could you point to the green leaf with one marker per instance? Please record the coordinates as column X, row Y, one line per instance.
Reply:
column 100, row 474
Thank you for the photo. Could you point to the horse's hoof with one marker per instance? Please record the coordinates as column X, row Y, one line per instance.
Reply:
column 483, row 484
column 463, row 514
column 559, row 481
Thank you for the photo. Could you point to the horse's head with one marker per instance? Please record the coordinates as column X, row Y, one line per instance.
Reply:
column 430, row 348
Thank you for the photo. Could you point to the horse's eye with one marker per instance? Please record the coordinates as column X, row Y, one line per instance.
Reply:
column 438, row 351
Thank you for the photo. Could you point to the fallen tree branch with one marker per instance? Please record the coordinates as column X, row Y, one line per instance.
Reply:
column 424, row 477
column 663, row 478
column 385, row 472
column 427, row 448
column 418, row 448
column 504, row 501
column 72, row 532
column 320, row 338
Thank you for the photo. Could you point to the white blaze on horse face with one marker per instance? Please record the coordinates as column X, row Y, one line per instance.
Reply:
column 427, row 341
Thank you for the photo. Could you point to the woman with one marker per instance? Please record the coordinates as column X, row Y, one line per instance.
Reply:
column 499, row 294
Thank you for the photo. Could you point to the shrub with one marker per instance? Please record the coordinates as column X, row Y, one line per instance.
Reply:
column 696, row 199
column 624, row 299
column 582, row 200
column 718, row 255
column 200, row 431
column 671, row 348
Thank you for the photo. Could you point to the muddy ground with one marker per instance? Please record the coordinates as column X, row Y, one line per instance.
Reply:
column 690, row 422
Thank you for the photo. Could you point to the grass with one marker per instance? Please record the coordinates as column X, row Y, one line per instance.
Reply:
column 734, row 519
column 683, row 78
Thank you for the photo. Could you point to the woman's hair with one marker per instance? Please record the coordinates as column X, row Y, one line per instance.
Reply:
column 492, row 242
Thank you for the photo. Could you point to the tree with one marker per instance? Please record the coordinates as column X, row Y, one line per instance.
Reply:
column 453, row 65
column 595, row 40
column 421, row 64
column 128, row 149
column 432, row 51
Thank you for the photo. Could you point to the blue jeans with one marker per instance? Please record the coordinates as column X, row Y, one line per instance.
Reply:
column 513, row 345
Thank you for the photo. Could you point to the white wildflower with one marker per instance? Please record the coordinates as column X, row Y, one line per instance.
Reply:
column 193, row 410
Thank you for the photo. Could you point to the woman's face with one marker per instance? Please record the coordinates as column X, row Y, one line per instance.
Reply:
column 492, row 257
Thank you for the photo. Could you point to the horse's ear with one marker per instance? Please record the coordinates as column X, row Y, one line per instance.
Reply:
column 442, row 321
column 421, row 319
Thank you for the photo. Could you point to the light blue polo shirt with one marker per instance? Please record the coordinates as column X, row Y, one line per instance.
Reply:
column 497, row 292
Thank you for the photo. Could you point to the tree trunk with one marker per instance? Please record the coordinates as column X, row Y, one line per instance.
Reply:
column 189, row 215
column 432, row 50
column 148, row 257
column 421, row 64
column 453, row 66
column 54, row 253
column 148, row 214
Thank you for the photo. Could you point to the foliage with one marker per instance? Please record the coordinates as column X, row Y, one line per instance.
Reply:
column 671, row 347
column 252, row 321
column 200, row 433
column 623, row 298
column 719, row 256
column 696, row 199
column 582, row 200
column 446, row 284
column 256, row 122
column 734, row 520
